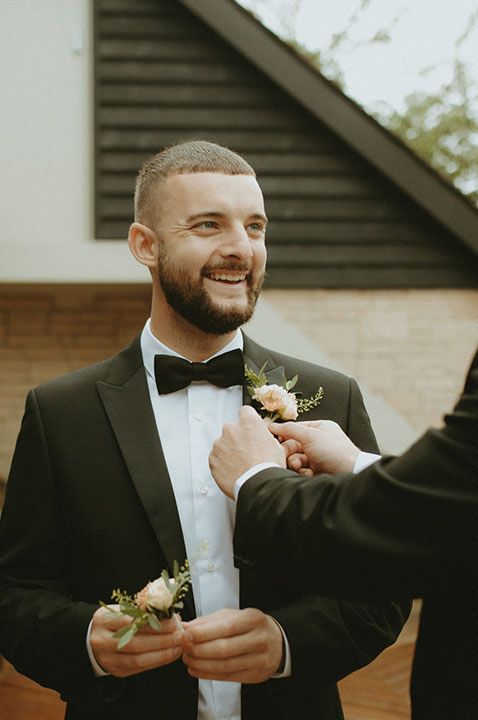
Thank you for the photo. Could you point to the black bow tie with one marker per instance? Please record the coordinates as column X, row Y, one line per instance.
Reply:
column 174, row 373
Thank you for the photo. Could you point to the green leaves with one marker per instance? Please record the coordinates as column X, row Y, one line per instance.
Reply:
column 143, row 607
column 126, row 634
column 153, row 621
column 256, row 379
column 306, row 404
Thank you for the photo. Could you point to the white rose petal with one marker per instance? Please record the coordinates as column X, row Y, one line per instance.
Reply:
column 158, row 595
column 289, row 412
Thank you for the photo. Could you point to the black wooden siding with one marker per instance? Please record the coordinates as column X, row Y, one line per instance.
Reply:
column 161, row 75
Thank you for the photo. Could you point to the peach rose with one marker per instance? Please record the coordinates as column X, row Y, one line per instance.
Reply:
column 289, row 412
column 276, row 399
column 271, row 397
column 155, row 595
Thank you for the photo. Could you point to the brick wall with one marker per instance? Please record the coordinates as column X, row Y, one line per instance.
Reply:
column 44, row 333
column 410, row 347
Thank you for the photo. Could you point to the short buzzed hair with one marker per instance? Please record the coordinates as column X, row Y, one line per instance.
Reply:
column 194, row 156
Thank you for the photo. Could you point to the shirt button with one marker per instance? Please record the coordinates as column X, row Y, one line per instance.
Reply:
column 199, row 417
column 204, row 490
column 211, row 567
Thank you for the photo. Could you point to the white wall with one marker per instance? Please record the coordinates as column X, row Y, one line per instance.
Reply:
column 46, row 149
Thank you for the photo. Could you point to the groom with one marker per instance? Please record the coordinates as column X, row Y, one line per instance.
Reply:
column 110, row 484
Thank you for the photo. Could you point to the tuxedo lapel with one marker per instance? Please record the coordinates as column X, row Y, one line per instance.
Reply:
column 129, row 410
column 254, row 358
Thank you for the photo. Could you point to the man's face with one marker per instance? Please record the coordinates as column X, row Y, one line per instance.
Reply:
column 211, row 234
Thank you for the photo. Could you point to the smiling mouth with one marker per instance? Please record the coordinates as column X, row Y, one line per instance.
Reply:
column 225, row 277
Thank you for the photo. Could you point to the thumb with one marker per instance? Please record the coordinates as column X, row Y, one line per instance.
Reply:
column 294, row 431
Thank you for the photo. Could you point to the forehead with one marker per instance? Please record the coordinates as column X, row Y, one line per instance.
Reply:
column 193, row 193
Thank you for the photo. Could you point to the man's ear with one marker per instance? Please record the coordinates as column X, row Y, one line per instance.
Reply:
column 143, row 244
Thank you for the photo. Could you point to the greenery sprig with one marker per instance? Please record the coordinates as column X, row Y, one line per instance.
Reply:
column 158, row 600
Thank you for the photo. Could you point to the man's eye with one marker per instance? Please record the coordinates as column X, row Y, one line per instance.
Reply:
column 257, row 227
column 206, row 225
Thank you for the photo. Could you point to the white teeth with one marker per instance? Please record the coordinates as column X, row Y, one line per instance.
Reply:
column 228, row 278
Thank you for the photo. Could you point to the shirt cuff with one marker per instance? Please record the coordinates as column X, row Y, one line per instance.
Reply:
column 363, row 460
column 97, row 669
column 249, row 473
column 287, row 669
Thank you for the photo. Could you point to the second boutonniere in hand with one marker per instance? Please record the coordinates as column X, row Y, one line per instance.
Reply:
column 277, row 402
column 158, row 600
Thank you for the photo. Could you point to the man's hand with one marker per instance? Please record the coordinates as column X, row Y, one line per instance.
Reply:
column 147, row 650
column 242, row 445
column 234, row 645
column 318, row 446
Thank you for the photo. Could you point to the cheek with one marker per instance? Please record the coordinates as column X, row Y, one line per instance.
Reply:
column 260, row 257
column 190, row 262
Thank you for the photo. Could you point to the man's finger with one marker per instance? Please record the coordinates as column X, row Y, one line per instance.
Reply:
column 222, row 624
column 291, row 447
column 297, row 462
column 300, row 432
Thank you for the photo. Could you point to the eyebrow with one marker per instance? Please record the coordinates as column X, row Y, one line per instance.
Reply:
column 214, row 213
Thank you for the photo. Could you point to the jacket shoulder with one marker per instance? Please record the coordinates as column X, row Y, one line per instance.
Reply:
column 293, row 366
column 115, row 370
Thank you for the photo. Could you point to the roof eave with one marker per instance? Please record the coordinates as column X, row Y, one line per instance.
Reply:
column 329, row 105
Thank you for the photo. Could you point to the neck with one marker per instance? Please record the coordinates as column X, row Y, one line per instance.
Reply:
column 186, row 339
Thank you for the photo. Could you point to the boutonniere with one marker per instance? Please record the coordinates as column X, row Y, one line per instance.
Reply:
column 158, row 600
column 277, row 401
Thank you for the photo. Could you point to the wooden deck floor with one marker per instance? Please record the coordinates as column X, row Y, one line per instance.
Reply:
column 376, row 692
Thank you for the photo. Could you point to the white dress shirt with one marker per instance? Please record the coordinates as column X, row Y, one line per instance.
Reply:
column 188, row 422
column 187, row 428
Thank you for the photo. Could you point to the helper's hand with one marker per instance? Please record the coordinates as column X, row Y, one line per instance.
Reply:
column 147, row 650
column 318, row 446
column 242, row 445
column 234, row 645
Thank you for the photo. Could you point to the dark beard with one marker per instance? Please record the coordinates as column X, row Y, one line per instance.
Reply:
column 190, row 300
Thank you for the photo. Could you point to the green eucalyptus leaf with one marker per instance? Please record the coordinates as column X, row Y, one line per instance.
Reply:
column 123, row 630
column 154, row 622
column 109, row 608
column 127, row 636
column 133, row 612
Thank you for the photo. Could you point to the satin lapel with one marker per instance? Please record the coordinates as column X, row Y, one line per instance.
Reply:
column 254, row 357
column 128, row 407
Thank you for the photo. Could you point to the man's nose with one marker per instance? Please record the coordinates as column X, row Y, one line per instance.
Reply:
column 237, row 243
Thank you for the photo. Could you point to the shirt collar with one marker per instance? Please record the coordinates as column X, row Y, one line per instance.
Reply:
column 151, row 346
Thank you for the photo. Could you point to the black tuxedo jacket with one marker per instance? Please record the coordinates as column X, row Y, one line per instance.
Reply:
column 89, row 507
column 408, row 524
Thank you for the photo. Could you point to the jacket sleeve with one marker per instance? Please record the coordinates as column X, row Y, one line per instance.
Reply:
column 43, row 628
column 330, row 639
column 406, row 522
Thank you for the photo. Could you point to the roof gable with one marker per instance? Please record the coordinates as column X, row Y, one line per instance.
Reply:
column 162, row 74
column 329, row 105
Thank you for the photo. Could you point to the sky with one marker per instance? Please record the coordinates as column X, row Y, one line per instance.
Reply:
column 422, row 33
